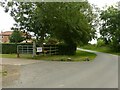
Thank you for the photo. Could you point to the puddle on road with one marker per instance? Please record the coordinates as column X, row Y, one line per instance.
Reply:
column 13, row 74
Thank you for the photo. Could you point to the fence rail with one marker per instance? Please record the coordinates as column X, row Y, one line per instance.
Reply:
column 50, row 50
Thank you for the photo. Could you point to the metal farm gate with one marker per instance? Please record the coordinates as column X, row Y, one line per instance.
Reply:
column 32, row 49
column 25, row 49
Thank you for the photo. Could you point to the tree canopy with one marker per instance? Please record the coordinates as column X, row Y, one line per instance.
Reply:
column 16, row 37
column 70, row 22
column 110, row 28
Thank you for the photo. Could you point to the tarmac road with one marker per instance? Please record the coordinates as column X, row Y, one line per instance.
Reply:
column 100, row 73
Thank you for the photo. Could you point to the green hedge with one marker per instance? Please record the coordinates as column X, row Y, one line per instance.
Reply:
column 10, row 48
column 67, row 49
column 62, row 48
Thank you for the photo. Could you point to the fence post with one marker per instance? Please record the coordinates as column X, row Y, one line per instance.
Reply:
column 50, row 51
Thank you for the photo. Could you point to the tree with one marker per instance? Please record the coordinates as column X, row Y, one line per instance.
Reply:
column 68, row 27
column 16, row 37
column 110, row 29
column 70, row 22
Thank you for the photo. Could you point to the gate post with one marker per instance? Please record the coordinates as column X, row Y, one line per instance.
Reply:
column 18, row 52
column 34, row 48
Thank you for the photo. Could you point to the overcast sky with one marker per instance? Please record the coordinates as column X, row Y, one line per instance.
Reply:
column 6, row 21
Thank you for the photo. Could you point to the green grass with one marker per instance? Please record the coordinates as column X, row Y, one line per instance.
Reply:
column 104, row 49
column 8, row 55
column 80, row 56
column 3, row 73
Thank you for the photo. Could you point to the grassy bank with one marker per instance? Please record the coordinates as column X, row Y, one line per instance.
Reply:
column 80, row 56
column 104, row 49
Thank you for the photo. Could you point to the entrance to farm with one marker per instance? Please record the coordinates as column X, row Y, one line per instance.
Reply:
column 23, row 50
column 27, row 50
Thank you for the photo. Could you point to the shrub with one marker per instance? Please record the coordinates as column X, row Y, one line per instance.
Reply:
column 10, row 48
column 115, row 46
column 67, row 49
column 100, row 43
column 63, row 49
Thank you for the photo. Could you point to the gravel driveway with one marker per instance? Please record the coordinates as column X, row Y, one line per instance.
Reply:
column 100, row 73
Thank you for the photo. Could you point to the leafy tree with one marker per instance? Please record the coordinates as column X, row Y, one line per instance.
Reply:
column 26, row 36
column 16, row 37
column 70, row 22
column 110, row 29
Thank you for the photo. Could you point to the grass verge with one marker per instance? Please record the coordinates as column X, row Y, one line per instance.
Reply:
column 79, row 56
column 104, row 49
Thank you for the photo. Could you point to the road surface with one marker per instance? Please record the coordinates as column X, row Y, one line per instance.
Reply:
column 100, row 73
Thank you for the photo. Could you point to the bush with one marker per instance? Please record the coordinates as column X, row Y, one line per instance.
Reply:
column 100, row 43
column 115, row 46
column 10, row 48
column 67, row 49
column 63, row 49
